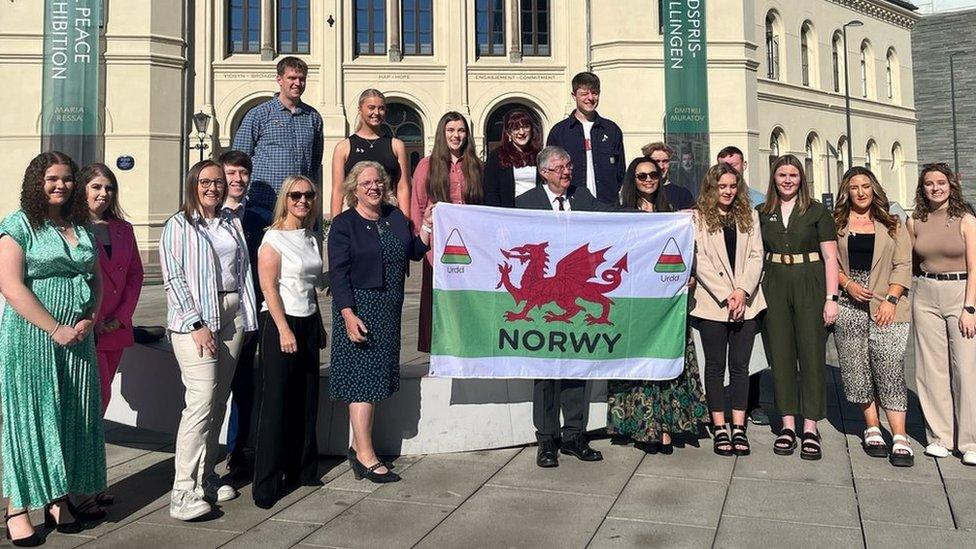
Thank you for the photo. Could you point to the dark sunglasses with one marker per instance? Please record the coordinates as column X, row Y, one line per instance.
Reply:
column 648, row 176
column 932, row 165
column 297, row 195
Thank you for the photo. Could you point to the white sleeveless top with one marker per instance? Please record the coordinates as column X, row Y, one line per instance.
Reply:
column 301, row 269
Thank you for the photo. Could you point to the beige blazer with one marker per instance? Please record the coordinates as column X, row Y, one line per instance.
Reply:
column 714, row 273
column 890, row 264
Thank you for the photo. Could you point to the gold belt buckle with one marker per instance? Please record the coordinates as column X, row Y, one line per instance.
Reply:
column 787, row 259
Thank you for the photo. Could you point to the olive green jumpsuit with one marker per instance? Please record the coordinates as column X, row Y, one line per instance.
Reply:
column 793, row 330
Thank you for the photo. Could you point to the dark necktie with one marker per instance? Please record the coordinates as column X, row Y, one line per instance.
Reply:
column 562, row 205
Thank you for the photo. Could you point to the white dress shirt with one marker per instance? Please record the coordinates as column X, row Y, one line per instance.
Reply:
column 555, row 203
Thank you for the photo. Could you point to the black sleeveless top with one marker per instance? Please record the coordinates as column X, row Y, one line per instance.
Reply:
column 378, row 150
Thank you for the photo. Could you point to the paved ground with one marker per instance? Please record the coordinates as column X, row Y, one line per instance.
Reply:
column 500, row 498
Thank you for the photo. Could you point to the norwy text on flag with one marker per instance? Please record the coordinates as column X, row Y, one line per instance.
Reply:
column 542, row 294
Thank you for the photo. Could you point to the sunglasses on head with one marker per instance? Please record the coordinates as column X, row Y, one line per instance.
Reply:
column 648, row 176
column 297, row 195
column 933, row 165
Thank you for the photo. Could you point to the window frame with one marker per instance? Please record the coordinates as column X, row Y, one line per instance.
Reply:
column 772, row 41
column 245, row 19
column 532, row 49
column 292, row 41
column 490, row 30
column 372, row 6
column 805, row 55
column 416, row 14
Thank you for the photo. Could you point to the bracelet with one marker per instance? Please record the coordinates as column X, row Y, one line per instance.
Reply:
column 846, row 284
column 426, row 229
column 54, row 331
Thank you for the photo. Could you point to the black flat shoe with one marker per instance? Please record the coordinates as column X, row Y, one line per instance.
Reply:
column 370, row 474
column 580, row 448
column 546, row 456
column 72, row 527
column 32, row 540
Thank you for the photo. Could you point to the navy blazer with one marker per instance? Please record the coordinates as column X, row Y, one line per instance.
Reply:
column 607, row 145
column 580, row 200
column 355, row 256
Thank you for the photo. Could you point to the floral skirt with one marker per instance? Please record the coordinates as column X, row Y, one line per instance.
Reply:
column 642, row 410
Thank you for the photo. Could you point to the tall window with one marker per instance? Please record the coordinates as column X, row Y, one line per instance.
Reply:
column 293, row 24
column 777, row 144
column 370, row 25
column 772, row 47
column 418, row 21
column 898, row 165
column 891, row 74
column 867, row 71
column 490, row 27
column 871, row 156
column 864, row 72
column 836, row 59
column 244, row 24
column 843, row 159
column 810, row 162
column 805, row 53
column 535, row 27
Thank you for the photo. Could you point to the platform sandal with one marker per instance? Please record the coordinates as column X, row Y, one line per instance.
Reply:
column 721, row 443
column 740, row 442
column 785, row 443
column 902, row 454
column 810, row 450
column 873, row 443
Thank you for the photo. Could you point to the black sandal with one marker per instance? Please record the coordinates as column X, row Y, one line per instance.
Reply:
column 740, row 442
column 721, row 443
column 785, row 443
column 811, row 450
column 63, row 504
column 32, row 540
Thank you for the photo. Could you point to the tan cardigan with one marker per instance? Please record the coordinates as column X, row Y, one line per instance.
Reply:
column 714, row 274
column 890, row 264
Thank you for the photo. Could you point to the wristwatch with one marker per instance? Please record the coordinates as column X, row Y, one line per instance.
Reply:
column 833, row 297
column 969, row 309
column 197, row 325
column 891, row 299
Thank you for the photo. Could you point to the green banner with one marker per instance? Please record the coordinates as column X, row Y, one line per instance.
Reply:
column 69, row 111
column 686, row 90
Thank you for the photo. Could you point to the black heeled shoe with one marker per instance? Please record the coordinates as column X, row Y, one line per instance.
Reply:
column 32, row 540
column 351, row 454
column 72, row 527
column 370, row 474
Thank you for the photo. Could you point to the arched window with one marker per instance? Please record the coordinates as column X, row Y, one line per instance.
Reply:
column 843, row 159
column 897, row 169
column 871, row 156
column 812, row 154
column 867, row 70
column 773, row 40
column 777, row 144
column 837, row 59
column 495, row 125
column 403, row 122
column 808, row 54
column 892, row 75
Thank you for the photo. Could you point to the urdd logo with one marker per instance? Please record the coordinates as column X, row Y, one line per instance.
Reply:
column 570, row 282
column 455, row 253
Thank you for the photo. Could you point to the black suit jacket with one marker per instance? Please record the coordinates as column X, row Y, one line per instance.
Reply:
column 355, row 256
column 580, row 200
column 499, row 183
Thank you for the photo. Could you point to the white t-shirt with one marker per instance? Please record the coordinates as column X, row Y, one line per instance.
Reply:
column 219, row 234
column 524, row 179
column 588, row 145
column 301, row 268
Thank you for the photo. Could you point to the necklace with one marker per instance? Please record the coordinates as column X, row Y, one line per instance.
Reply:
column 371, row 142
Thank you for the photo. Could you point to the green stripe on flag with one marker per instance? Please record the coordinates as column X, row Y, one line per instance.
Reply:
column 471, row 324
column 456, row 259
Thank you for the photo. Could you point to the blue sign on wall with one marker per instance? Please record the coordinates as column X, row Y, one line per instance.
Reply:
column 125, row 162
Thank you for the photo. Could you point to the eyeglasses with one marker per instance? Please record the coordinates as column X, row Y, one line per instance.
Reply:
column 207, row 183
column 297, row 195
column 372, row 184
column 648, row 176
column 561, row 169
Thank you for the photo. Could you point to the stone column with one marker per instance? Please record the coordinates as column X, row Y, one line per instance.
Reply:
column 267, row 30
column 394, row 50
column 514, row 35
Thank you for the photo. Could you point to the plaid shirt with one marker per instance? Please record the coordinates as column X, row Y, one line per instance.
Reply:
column 280, row 143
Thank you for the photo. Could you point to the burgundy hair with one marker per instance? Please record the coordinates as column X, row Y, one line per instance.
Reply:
column 508, row 154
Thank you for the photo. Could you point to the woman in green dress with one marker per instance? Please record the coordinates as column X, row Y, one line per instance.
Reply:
column 53, row 443
column 651, row 412
column 370, row 245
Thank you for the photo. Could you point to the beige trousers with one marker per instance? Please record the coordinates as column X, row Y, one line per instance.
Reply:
column 945, row 364
column 207, row 381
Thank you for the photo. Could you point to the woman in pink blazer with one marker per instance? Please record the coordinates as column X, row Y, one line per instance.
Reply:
column 121, row 270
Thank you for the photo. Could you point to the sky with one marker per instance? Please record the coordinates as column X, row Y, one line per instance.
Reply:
column 928, row 6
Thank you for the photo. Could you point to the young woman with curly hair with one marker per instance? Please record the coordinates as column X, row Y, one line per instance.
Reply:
column 53, row 444
column 727, row 298
column 875, row 254
column 944, row 312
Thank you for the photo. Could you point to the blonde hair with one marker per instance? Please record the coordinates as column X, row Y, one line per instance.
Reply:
column 367, row 93
column 351, row 181
column 740, row 214
column 281, row 204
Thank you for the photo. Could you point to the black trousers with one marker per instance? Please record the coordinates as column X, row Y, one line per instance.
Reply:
column 242, row 403
column 727, row 343
column 286, row 452
column 551, row 395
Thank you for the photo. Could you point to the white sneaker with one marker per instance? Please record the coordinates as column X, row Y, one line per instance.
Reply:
column 226, row 492
column 969, row 458
column 187, row 505
column 937, row 451
column 215, row 492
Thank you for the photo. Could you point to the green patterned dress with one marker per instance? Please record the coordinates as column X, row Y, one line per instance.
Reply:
column 52, row 423
column 642, row 410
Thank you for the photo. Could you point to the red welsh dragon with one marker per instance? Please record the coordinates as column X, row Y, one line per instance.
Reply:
column 570, row 282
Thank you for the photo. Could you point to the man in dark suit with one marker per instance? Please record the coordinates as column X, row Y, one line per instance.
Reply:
column 559, row 195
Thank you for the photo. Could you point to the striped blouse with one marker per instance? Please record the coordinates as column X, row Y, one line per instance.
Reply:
column 189, row 270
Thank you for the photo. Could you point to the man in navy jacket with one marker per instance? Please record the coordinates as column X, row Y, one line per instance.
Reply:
column 594, row 143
